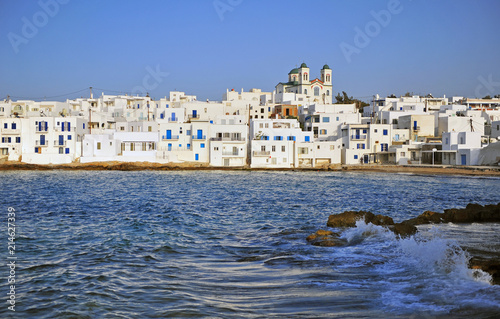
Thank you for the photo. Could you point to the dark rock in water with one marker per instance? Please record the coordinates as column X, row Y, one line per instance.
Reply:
column 473, row 213
column 403, row 229
column 349, row 219
column 325, row 238
column 427, row 217
column 490, row 266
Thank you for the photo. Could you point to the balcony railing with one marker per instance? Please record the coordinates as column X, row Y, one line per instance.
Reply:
column 192, row 116
column 71, row 129
column 358, row 137
column 197, row 137
column 175, row 120
column 58, row 143
column 416, row 128
column 261, row 153
column 42, row 130
column 170, row 138
column 228, row 139
column 230, row 153
column 38, row 143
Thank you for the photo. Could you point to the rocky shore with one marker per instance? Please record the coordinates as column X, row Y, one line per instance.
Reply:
column 472, row 213
column 138, row 166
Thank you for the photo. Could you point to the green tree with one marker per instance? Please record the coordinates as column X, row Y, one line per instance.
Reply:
column 487, row 97
column 346, row 99
column 392, row 96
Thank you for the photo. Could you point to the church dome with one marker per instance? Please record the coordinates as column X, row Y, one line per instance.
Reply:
column 294, row 71
column 326, row 67
column 303, row 65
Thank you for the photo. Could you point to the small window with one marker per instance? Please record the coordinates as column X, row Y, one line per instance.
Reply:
column 326, row 119
column 262, row 148
column 385, row 132
column 273, row 148
column 98, row 145
column 283, row 148
column 69, row 137
column 67, row 150
column 13, row 126
column 61, row 150
column 355, row 156
column 18, row 139
column 202, row 145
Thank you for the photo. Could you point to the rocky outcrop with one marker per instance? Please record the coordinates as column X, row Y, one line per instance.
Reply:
column 325, row 238
column 349, row 219
column 472, row 213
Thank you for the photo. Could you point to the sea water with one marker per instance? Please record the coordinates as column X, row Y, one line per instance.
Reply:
column 219, row 244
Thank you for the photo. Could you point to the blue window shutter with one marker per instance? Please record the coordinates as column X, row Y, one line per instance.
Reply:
column 46, row 126
column 196, row 157
column 69, row 126
column 308, row 139
column 275, row 138
column 67, row 150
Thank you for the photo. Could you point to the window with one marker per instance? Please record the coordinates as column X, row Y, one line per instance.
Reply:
column 13, row 126
column 61, row 150
column 67, row 151
column 69, row 137
column 326, row 119
column 375, row 130
column 446, row 141
column 303, row 150
column 202, row 145
column 403, row 154
column 337, row 118
column 18, row 139
column 385, row 132
column 262, row 148
column 355, row 156
column 327, row 92
column 322, row 132
column 307, row 138
column 316, row 91
column 364, row 131
column 132, row 146
column 305, row 91
column 291, row 138
column 3, row 139
column 9, row 139
column 5, row 125
column 273, row 148
column 278, row 138
column 188, row 146
column 282, row 148
column 98, row 145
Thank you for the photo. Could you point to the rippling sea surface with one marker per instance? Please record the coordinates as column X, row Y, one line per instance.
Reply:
column 225, row 244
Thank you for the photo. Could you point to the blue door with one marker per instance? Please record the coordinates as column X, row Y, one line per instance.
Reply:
column 61, row 139
column 199, row 134
column 169, row 134
column 169, row 147
column 173, row 117
column 196, row 157
column 463, row 157
column 42, row 139
column 415, row 125
column 195, row 113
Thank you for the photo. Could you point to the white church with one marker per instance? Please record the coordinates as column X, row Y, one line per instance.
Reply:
column 303, row 88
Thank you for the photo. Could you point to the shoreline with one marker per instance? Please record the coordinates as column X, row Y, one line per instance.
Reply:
column 141, row 166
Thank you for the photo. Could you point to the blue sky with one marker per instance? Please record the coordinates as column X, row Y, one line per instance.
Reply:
column 204, row 47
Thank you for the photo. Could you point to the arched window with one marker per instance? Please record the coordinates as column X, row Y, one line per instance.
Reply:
column 316, row 91
column 305, row 91
column 327, row 92
column 328, row 77
column 305, row 77
column 294, row 79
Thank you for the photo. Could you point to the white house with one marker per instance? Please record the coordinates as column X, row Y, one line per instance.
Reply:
column 461, row 148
